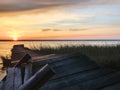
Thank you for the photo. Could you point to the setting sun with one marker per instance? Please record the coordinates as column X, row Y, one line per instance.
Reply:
column 15, row 38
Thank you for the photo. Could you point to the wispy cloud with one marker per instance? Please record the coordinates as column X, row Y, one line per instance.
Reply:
column 47, row 29
column 83, row 29
column 23, row 5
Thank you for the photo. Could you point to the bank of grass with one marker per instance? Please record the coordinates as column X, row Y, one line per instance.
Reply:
column 108, row 56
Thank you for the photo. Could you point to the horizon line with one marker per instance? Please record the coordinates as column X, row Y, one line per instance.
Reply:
column 66, row 40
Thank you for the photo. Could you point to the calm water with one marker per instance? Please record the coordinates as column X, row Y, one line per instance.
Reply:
column 6, row 46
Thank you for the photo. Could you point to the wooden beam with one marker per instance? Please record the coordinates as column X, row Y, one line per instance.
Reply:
column 99, row 83
column 39, row 79
column 17, row 78
column 1, row 85
column 25, row 59
column 28, row 72
column 9, row 83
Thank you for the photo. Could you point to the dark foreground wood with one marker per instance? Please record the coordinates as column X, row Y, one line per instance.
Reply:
column 73, row 72
column 39, row 79
column 20, row 76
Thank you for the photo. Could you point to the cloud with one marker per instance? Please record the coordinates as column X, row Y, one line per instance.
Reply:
column 83, row 29
column 21, row 5
column 47, row 29
column 25, row 5
column 56, row 29
column 44, row 30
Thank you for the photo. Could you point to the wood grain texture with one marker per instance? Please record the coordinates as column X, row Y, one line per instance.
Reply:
column 28, row 72
column 17, row 78
column 1, row 85
column 9, row 83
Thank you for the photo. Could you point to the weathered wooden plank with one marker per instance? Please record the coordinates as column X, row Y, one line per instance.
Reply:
column 69, row 56
column 73, row 87
column 66, row 71
column 67, row 63
column 53, row 60
column 70, row 61
column 43, row 57
column 17, row 78
column 101, row 82
column 83, row 76
column 60, row 61
column 38, row 65
column 25, row 59
column 76, row 78
column 63, row 86
column 1, row 85
column 28, row 72
column 18, row 51
column 86, row 76
column 9, row 83
column 14, row 77
column 38, row 79
column 112, row 87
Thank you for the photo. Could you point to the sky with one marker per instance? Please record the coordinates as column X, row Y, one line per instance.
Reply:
column 59, row 19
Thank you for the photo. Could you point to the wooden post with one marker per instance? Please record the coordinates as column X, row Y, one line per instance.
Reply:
column 9, row 83
column 39, row 79
column 21, row 65
column 25, row 59
column 17, row 78
column 27, row 72
column 17, row 52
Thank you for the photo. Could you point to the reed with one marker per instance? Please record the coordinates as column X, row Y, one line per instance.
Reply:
column 6, row 61
column 108, row 56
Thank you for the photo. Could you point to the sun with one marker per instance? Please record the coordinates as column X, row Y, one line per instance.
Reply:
column 15, row 38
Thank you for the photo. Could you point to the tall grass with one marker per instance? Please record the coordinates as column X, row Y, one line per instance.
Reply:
column 6, row 61
column 108, row 56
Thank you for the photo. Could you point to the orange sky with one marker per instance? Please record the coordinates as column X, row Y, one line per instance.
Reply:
column 44, row 20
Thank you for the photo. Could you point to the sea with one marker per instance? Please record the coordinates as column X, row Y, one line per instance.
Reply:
column 6, row 46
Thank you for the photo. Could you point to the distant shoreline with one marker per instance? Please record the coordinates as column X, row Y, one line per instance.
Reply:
column 71, row 40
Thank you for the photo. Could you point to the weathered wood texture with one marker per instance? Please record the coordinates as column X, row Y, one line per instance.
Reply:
column 78, row 72
column 13, row 80
column 28, row 72
column 14, row 77
column 17, row 78
column 38, row 79
column 9, row 83
column 25, row 59
column 1, row 85
column 37, row 58
column 73, row 72
column 20, row 76
column 112, row 87
column 19, row 51
column 101, row 82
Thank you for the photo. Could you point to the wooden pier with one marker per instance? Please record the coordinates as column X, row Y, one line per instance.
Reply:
column 72, row 72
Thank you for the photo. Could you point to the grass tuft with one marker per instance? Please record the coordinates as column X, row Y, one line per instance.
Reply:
column 6, row 61
column 108, row 56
